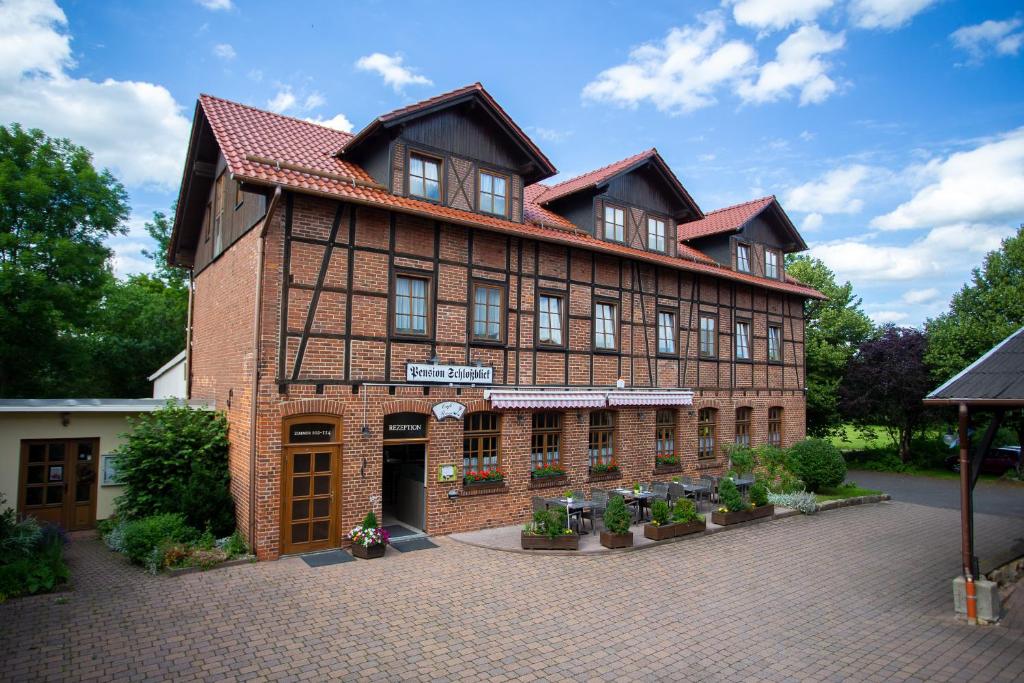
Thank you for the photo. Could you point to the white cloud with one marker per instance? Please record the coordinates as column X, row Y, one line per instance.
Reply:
column 985, row 184
column 706, row 157
column 313, row 100
column 947, row 251
column 882, row 317
column 132, row 127
column 807, row 135
column 834, row 192
column 990, row 37
column 391, row 70
column 812, row 222
column 776, row 14
column 224, row 51
column 337, row 122
column 549, row 134
column 798, row 66
column 920, row 296
column 886, row 13
column 680, row 73
column 216, row 5
column 255, row 75
column 283, row 101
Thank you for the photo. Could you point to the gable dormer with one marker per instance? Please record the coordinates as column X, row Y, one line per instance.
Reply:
column 752, row 237
column 460, row 149
column 637, row 201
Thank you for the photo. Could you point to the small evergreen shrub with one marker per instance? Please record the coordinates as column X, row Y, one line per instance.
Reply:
column 144, row 537
column 729, row 496
column 660, row 513
column 818, row 463
column 369, row 521
column 616, row 516
column 685, row 511
column 759, row 494
column 552, row 523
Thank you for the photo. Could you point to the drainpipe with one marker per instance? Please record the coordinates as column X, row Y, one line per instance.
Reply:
column 188, row 336
column 257, row 343
column 967, row 518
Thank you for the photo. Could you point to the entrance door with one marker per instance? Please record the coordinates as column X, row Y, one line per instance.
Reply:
column 311, row 485
column 58, row 481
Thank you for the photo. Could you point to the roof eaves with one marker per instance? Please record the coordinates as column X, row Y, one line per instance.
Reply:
column 934, row 395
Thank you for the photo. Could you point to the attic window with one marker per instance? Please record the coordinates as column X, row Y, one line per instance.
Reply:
column 743, row 258
column 655, row 234
column 425, row 177
column 771, row 264
column 493, row 193
column 614, row 223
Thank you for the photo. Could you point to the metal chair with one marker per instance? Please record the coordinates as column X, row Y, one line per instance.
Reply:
column 712, row 485
column 584, row 513
column 678, row 492
column 539, row 504
column 600, row 499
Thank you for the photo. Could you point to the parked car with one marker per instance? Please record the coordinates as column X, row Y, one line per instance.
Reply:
column 997, row 461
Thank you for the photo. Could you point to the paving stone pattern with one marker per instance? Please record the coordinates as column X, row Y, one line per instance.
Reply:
column 860, row 593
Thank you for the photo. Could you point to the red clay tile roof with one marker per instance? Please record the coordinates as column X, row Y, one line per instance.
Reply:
column 548, row 168
column 270, row 149
column 724, row 220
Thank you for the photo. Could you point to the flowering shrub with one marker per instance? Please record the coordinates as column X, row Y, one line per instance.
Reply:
column 367, row 536
column 547, row 472
column 666, row 460
column 476, row 476
column 604, row 468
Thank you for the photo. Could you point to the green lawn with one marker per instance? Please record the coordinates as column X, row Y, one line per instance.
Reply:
column 843, row 491
column 852, row 440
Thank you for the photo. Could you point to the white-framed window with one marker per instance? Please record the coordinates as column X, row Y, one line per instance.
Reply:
column 771, row 264
column 666, row 332
column 549, row 323
column 425, row 177
column 708, row 336
column 604, row 326
column 614, row 224
column 410, row 305
column 493, row 193
column 743, row 341
column 743, row 258
column 774, row 342
column 655, row 234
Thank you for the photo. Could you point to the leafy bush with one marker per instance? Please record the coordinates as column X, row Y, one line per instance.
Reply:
column 552, row 522
column 369, row 521
column 659, row 512
column 616, row 516
column 818, row 463
column 685, row 511
column 234, row 545
column 759, row 494
column 31, row 555
column 742, row 459
column 729, row 496
column 175, row 460
column 801, row 500
column 144, row 537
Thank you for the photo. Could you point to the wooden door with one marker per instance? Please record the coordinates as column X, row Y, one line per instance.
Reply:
column 310, row 499
column 58, row 481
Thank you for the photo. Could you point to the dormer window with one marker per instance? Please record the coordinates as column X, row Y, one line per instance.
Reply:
column 614, row 224
column 743, row 258
column 425, row 177
column 655, row 234
column 771, row 264
column 493, row 193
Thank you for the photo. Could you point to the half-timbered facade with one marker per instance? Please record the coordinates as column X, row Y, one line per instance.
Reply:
column 381, row 315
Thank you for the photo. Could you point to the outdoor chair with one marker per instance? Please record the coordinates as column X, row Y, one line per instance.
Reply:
column 600, row 500
column 661, row 491
column 584, row 513
column 539, row 504
column 712, row 484
column 677, row 492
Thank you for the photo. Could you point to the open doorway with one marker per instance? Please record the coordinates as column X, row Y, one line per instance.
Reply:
column 403, row 495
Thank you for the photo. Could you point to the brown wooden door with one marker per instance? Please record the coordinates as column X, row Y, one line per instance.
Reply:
column 310, row 498
column 58, row 481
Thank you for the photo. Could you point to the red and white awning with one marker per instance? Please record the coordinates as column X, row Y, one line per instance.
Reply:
column 651, row 397
column 582, row 398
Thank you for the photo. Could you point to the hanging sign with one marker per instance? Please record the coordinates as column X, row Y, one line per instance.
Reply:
column 403, row 426
column 452, row 409
column 311, row 432
column 448, row 374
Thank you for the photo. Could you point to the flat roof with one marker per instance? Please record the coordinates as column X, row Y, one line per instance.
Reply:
column 93, row 405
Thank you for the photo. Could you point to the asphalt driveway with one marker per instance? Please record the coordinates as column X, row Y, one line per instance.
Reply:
column 860, row 593
column 990, row 497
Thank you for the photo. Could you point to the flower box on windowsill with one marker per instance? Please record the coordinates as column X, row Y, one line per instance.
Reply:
column 604, row 474
column 548, row 482
column 483, row 488
column 668, row 469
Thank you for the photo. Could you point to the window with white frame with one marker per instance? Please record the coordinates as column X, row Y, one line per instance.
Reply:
column 742, row 341
column 425, row 177
column 614, row 224
column 493, row 193
column 743, row 258
column 549, row 321
column 666, row 332
column 604, row 326
column 771, row 264
column 774, row 343
column 655, row 234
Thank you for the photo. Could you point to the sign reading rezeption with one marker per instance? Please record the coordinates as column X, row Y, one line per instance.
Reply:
column 448, row 374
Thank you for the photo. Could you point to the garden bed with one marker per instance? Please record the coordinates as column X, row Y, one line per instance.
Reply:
column 536, row 542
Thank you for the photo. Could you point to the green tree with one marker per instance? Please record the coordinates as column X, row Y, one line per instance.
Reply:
column 56, row 210
column 835, row 329
column 160, row 230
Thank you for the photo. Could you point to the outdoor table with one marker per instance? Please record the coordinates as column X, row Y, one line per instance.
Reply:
column 694, row 489
column 643, row 498
column 576, row 504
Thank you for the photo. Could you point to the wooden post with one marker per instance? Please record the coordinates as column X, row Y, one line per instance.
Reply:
column 967, row 517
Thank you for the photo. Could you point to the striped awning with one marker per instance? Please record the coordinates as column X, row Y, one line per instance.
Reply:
column 653, row 397
column 566, row 398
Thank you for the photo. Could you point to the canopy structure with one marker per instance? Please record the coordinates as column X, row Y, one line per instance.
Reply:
column 994, row 382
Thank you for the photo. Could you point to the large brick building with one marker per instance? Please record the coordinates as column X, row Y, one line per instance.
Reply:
column 380, row 314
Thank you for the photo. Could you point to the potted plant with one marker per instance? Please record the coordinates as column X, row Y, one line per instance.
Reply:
column 734, row 509
column 483, row 477
column 681, row 520
column 549, row 531
column 659, row 528
column 547, row 472
column 616, row 533
column 369, row 541
column 601, row 468
column 667, row 463
column 686, row 518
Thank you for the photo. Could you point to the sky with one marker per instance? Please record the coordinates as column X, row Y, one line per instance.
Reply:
column 892, row 131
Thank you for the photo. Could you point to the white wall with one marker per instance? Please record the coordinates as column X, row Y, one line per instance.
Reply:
column 171, row 382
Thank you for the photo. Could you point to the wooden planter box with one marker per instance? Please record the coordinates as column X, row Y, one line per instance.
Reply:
column 549, row 482
column 726, row 518
column 667, row 531
column 531, row 542
column 610, row 540
column 668, row 469
column 369, row 552
column 605, row 476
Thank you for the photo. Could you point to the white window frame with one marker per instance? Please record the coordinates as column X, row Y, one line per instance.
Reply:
column 618, row 228
column 742, row 341
column 656, row 234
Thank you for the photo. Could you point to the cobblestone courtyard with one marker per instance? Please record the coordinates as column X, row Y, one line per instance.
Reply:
column 859, row 593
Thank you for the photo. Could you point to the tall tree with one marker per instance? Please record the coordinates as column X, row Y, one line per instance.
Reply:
column 160, row 230
column 885, row 384
column 56, row 210
column 835, row 329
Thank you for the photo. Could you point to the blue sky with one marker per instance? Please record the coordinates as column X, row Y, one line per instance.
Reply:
column 891, row 130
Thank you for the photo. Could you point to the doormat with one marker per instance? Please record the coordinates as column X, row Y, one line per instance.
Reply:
column 412, row 544
column 397, row 531
column 327, row 558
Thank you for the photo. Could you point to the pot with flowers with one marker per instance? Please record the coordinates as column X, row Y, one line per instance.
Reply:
column 616, row 533
column 667, row 522
column 489, row 477
column 666, row 463
column 734, row 509
column 548, row 530
column 368, row 540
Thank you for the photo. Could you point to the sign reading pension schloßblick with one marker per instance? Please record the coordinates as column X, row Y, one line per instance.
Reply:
column 448, row 374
